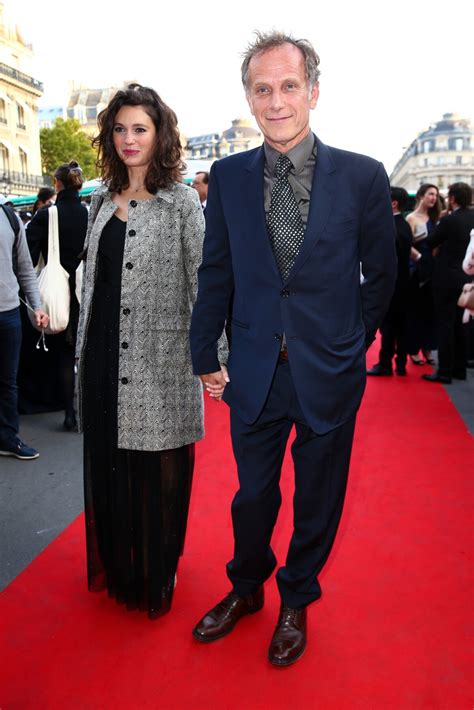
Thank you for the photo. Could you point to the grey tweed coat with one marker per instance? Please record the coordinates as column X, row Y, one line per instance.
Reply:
column 160, row 404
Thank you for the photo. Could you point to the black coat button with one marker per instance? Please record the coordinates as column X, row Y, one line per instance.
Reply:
column 124, row 346
column 131, row 233
column 133, row 203
column 285, row 293
column 129, row 265
column 124, row 380
column 126, row 311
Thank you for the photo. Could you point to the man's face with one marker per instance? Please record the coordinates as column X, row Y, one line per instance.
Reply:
column 279, row 96
column 201, row 187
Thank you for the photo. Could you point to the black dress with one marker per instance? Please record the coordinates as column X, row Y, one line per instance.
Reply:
column 136, row 502
column 421, row 324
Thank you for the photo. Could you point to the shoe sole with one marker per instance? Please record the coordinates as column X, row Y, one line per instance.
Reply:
column 17, row 456
column 283, row 664
column 202, row 639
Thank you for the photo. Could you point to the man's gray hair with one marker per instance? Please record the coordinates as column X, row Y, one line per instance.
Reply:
column 269, row 40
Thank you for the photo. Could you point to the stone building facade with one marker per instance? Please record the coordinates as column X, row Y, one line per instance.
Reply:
column 85, row 105
column 20, row 155
column 441, row 155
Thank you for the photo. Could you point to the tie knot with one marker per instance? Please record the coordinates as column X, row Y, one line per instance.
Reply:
column 283, row 166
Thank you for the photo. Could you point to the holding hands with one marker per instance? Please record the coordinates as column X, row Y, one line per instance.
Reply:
column 215, row 382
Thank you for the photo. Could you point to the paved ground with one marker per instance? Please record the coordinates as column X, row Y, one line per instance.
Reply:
column 38, row 499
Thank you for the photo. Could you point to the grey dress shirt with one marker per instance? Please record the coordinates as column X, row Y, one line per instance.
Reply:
column 303, row 157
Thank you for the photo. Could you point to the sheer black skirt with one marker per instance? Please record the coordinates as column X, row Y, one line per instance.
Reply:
column 136, row 502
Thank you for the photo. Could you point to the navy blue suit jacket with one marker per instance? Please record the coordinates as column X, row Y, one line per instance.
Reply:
column 329, row 319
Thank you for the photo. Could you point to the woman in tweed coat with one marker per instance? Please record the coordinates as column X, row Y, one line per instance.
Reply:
column 140, row 405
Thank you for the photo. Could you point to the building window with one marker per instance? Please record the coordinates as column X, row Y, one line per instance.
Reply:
column 20, row 121
column 23, row 162
column 425, row 162
column 459, row 144
column 459, row 160
column 3, row 118
column 3, row 159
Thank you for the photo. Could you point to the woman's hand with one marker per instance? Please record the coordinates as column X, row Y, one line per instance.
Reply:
column 215, row 382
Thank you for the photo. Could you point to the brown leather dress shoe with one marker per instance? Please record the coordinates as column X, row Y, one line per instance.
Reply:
column 222, row 618
column 289, row 639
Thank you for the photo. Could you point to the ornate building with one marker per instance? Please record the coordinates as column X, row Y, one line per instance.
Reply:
column 20, row 155
column 441, row 155
column 240, row 136
column 85, row 105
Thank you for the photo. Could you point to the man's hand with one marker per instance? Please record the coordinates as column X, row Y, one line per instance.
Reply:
column 215, row 382
column 41, row 318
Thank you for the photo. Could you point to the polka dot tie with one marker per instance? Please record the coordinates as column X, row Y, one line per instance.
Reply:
column 284, row 221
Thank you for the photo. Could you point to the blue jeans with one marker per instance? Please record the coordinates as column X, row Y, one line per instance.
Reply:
column 10, row 342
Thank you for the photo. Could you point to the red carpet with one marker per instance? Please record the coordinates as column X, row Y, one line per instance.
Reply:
column 390, row 632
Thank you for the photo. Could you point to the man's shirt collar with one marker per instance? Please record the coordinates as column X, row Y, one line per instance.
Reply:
column 299, row 155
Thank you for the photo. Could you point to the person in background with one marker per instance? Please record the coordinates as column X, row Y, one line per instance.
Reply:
column 141, row 407
column 421, row 327
column 393, row 328
column 72, row 224
column 44, row 198
column 450, row 239
column 201, row 184
column 287, row 227
column 25, row 217
column 16, row 270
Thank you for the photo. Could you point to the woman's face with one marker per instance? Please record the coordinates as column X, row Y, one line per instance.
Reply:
column 430, row 198
column 134, row 136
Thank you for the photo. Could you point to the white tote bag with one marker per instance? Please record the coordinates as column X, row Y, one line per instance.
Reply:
column 53, row 282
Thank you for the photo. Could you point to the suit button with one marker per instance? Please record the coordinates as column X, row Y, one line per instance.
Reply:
column 285, row 293
column 277, row 336
column 124, row 380
column 129, row 265
column 133, row 203
column 131, row 233
column 124, row 346
column 126, row 311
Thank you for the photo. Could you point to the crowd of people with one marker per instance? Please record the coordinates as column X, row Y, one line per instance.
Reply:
column 280, row 270
column 434, row 245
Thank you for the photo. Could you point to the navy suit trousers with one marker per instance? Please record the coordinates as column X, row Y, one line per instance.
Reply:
column 321, row 464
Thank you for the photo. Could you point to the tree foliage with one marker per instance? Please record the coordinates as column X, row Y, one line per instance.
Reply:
column 66, row 141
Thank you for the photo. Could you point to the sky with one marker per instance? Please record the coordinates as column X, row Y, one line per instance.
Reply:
column 388, row 70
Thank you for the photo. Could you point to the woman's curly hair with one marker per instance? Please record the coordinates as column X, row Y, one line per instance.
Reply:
column 166, row 166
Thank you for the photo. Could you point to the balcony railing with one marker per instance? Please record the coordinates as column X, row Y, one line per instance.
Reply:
column 22, row 78
column 9, row 178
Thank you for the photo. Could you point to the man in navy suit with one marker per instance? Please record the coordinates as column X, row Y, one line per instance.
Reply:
column 290, row 227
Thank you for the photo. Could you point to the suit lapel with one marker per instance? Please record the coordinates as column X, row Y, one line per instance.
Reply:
column 254, row 208
column 323, row 193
